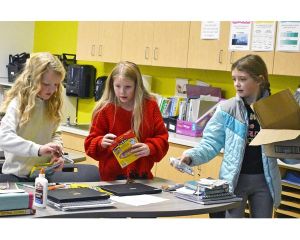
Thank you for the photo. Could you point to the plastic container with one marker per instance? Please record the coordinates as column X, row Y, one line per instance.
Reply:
column 41, row 190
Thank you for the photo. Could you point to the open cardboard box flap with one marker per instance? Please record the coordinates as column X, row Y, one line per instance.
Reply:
column 279, row 117
column 279, row 111
column 267, row 136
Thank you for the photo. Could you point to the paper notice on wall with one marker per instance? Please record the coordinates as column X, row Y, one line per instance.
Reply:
column 240, row 33
column 288, row 36
column 263, row 36
column 210, row 30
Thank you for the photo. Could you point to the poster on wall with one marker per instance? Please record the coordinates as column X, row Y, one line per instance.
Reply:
column 210, row 30
column 240, row 33
column 263, row 36
column 288, row 36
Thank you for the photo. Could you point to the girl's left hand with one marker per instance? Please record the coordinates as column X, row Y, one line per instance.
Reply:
column 59, row 160
column 140, row 150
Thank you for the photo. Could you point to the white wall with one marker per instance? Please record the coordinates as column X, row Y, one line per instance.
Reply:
column 15, row 38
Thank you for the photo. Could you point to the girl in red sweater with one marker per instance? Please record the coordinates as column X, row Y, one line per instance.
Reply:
column 124, row 105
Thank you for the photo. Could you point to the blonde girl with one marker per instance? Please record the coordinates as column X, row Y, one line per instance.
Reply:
column 32, row 108
column 126, row 105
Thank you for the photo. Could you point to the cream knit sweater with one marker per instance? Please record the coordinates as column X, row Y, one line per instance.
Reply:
column 21, row 145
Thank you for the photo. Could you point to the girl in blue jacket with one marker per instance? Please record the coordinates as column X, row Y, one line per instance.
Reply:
column 251, row 175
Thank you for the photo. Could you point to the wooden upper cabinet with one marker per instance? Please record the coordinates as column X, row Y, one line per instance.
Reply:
column 208, row 54
column 110, row 41
column 87, row 38
column 170, row 44
column 99, row 41
column 287, row 63
column 268, row 58
column 137, row 42
column 156, row 43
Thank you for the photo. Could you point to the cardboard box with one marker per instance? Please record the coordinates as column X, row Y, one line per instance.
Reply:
column 279, row 117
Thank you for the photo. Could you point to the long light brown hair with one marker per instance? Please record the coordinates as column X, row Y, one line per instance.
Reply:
column 132, row 72
column 28, row 84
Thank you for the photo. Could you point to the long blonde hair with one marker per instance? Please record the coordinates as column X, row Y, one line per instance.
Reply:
column 28, row 84
column 132, row 72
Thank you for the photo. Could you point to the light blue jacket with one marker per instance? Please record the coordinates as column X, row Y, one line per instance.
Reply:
column 228, row 129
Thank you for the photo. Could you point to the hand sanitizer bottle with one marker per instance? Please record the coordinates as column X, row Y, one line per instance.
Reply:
column 41, row 190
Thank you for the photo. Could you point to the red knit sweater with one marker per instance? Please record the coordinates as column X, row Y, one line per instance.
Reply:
column 116, row 120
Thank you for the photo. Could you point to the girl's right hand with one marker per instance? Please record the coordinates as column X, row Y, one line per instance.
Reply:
column 50, row 149
column 185, row 159
column 107, row 140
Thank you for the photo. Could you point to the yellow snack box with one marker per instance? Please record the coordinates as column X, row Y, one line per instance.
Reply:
column 122, row 148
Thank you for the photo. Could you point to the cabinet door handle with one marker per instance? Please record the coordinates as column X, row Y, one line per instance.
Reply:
column 147, row 49
column 93, row 50
column 231, row 57
column 100, row 50
column 221, row 56
column 155, row 53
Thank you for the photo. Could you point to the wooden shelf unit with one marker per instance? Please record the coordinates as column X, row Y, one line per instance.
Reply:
column 290, row 196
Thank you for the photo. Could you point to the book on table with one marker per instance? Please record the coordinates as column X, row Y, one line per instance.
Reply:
column 17, row 212
column 191, row 195
column 194, row 185
column 13, row 198
column 78, row 198
column 206, row 191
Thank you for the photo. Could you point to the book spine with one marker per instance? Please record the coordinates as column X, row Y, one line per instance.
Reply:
column 216, row 196
column 18, row 212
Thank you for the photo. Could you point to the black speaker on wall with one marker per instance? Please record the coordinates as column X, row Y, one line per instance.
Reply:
column 81, row 81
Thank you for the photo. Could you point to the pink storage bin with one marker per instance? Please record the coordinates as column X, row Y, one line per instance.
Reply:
column 193, row 129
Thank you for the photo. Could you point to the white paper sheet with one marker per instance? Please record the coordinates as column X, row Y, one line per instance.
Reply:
column 288, row 36
column 240, row 32
column 263, row 36
column 210, row 30
column 138, row 200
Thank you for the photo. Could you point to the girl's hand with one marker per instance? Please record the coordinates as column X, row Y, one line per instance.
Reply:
column 185, row 159
column 140, row 150
column 56, row 160
column 50, row 149
column 107, row 140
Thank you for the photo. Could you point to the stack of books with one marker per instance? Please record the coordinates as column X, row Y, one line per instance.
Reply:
column 15, row 201
column 207, row 191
